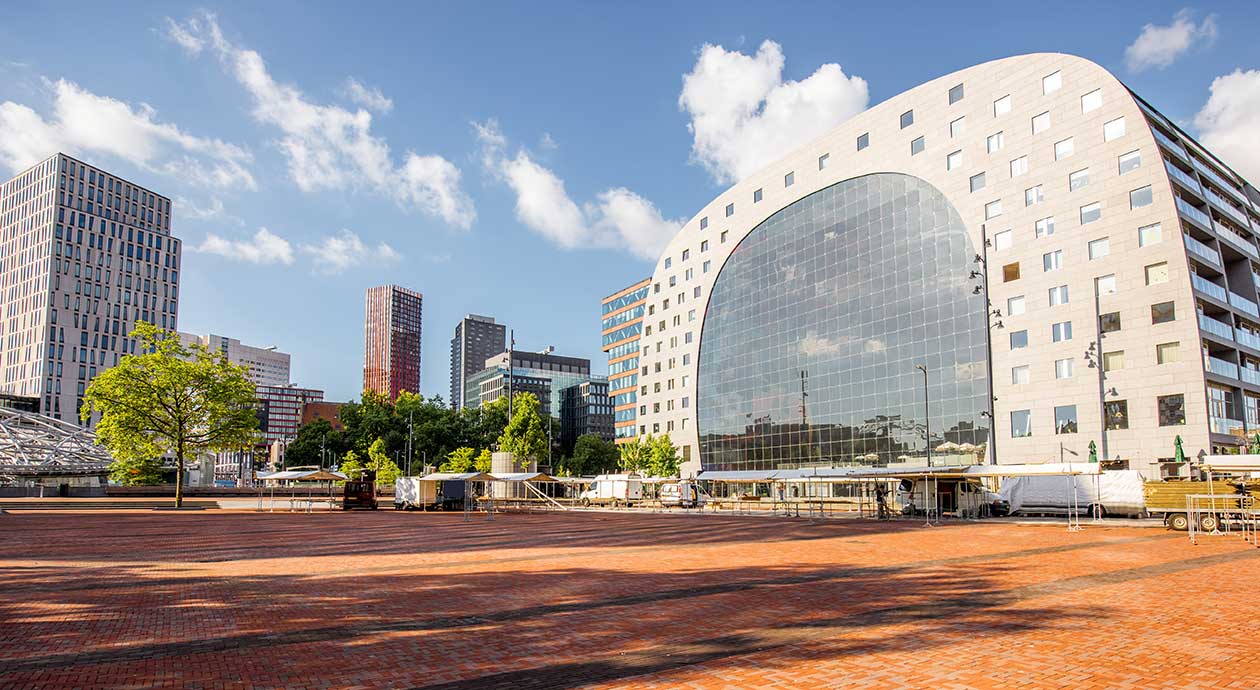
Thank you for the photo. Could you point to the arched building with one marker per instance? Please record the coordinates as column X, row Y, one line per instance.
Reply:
column 786, row 322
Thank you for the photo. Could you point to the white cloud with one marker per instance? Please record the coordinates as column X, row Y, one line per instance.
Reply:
column 814, row 345
column 617, row 219
column 1158, row 46
column 336, row 253
column 330, row 147
column 744, row 116
column 214, row 210
column 368, row 97
column 82, row 122
column 186, row 39
column 263, row 248
column 1230, row 120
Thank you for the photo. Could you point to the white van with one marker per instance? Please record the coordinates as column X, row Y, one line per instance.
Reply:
column 411, row 493
column 684, row 494
column 613, row 489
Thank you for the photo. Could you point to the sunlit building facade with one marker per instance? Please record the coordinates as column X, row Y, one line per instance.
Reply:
column 831, row 308
column 622, row 327
column 392, row 329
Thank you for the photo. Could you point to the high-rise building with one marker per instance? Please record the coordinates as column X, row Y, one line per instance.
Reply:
column 267, row 365
column 392, row 341
column 809, row 313
column 477, row 338
column 282, row 410
column 585, row 409
column 85, row 255
column 542, row 373
column 622, row 329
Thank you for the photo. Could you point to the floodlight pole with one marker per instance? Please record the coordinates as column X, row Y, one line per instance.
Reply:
column 927, row 421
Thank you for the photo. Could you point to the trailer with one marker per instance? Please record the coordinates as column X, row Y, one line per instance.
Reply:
column 1209, row 502
column 613, row 489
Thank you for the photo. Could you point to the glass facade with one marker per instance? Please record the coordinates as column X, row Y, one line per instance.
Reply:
column 818, row 319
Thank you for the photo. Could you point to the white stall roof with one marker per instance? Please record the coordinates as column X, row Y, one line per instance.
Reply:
column 457, row 476
column 302, row 476
column 1232, row 463
column 522, row 477
column 1029, row 470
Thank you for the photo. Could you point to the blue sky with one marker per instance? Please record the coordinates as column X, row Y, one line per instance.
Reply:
column 511, row 159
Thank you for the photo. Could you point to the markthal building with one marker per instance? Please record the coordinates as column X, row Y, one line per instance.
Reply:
column 1006, row 264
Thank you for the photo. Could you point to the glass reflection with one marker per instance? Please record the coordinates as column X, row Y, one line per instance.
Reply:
column 818, row 319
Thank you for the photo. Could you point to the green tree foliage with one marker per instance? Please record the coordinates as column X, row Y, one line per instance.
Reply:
column 482, row 463
column 592, row 455
column 386, row 469
column 311, row 439
column 171, row 399
column 655, row 457
column 525, row 436
column 137, row 472
column 459, row 461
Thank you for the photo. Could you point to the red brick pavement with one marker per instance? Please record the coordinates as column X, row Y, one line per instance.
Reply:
column 388, row 600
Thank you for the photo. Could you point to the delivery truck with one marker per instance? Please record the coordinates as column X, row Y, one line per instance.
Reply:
column 613, row 489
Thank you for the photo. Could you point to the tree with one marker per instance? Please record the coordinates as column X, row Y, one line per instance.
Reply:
column 634, row 455
column 137, row 472
column 525, row 437
column 482, row 463
column 313, row 439
column 592, row 455
column 171, row 399
column 386, row 469
column 459, row 461
column 656, row 457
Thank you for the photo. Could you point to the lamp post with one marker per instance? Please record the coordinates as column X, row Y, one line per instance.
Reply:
column 927, row 421
column 990, row 313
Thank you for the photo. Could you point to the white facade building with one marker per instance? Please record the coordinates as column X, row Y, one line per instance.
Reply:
column 267, row 365
column 787, row 320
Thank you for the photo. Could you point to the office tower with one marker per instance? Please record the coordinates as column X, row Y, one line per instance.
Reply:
column 392, row 341
column 585, row 408
column 477, row 338
column 267, row 365
column 85, row 255
column 622, row 328
column 544, row 374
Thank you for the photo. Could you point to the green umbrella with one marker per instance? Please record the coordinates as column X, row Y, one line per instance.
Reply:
column 1255, row 444
column 1093, row 452
column 1180, row 455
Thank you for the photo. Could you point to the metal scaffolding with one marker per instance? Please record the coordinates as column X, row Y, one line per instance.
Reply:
column 33, row 444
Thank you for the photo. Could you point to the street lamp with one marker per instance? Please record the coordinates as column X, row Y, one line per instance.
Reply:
column 927, row 421
column 989, row 314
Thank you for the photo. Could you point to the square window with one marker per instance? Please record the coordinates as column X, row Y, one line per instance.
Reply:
column 1150, row 234
column 1019, row 166
column 1091, row 101
column 1015, row 305
column 823, row 160
column 1078, row 180
column 1052, row 261
column 1157, row 274
column 1091, row 213
column 994, row 142
column 730, row 210
column 686, row 254
column 1105, row 285
column 1019, row 375
column 1117, row 414
column 1109, row 322
column 707, row 265
column 1172, row 410
column 1010, row 272
column 1099, row 248
column 1061, row 331
column 1140, row 197
column 1113, row 360
column 1019, row 339
column 704, row 246
column 1065, row 419
column 1167, row 353
column 1034, row 196
column 863, row 141
column 907, row 119
column 1044, row 227
column 1163, row 312
column 1051, row 83
column 1058, row 295
column 1041, row 123
column 956, row 94
column 1130, row 161
column 1021, row 423
column 1002, row 106
column 704, row 222
column 957, row 127
column 1002, row 240
column 757, row 195
column 1113, row 129
column 1063, row 368
column 1065, row 148
column 977, row 182
column 916, row 146
column 668, row 262
column 724, row 232
column 953, row 160
column 789, row 179
column 993, row 209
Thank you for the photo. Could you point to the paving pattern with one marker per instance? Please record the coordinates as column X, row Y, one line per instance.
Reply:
column 219, row 599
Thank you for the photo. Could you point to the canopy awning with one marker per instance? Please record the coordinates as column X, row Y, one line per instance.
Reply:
column 1232, row 463
column 458, row 477
column 522, row 477
column 1032, row 470
column 302, row 476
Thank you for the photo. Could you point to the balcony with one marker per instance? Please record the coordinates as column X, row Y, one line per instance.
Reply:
column 1245, row 305
column 1236, row 240
column 1202, row 251
column 1246, row 337
column 1189, row 211
column 1170, row 144
column 1209, row 288
column 1229, row 427
column 1220, row 202
column 1249, row 376
column 1220, row 367
column 1217, row 328
column 1207, row 171
column 1182, row 177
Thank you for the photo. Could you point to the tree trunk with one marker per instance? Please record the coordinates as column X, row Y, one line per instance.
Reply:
column 179, row 475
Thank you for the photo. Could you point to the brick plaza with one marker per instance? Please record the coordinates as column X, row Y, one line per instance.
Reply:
column 219, row 599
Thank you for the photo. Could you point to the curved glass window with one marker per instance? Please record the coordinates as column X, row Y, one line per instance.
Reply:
column 816, row 323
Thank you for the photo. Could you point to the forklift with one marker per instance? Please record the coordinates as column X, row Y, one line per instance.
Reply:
column 361, row 492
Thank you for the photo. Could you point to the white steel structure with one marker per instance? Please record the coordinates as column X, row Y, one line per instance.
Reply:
column 791, row 314
column 37, row 445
